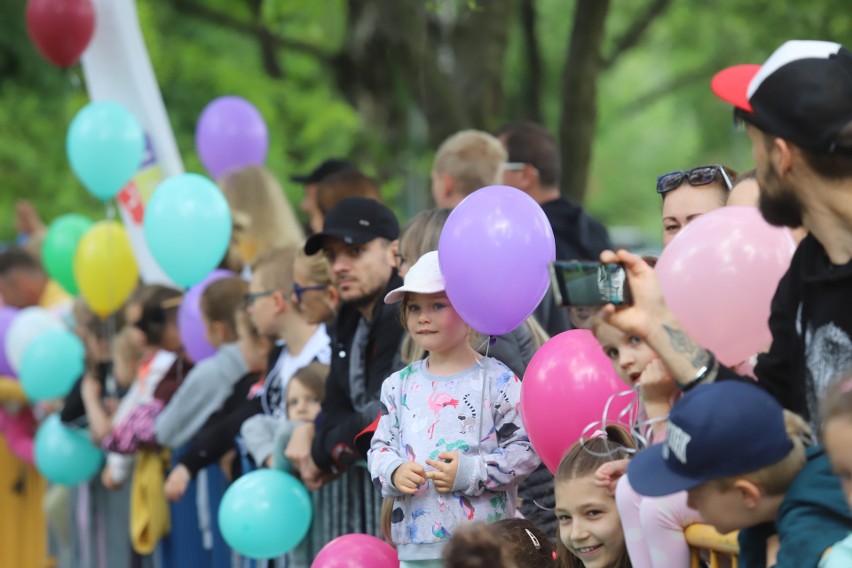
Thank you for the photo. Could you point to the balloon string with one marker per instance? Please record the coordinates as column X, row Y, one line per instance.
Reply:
column 629, row 417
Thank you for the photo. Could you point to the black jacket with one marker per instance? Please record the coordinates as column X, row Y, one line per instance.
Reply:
column 578, row 236
column 811, row 328
column 339, row 422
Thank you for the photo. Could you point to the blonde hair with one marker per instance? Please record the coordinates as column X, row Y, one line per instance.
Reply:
column 274, row 269
column 254, row 193
column 316, row 266
column 472, row 158
column 422, row 233
column 385, row 520
column 775, row 479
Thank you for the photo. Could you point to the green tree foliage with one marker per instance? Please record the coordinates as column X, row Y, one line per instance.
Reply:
column 382, row 81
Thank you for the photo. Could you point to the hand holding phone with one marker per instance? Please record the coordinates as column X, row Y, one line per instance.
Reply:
column 586, row 283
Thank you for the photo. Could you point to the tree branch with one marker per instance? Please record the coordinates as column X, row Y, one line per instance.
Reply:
column 249, row 28
column 641, row 102
column 633, row 35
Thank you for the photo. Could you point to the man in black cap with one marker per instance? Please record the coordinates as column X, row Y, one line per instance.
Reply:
column 323, row 171
column 797, row 112
column 359, row 238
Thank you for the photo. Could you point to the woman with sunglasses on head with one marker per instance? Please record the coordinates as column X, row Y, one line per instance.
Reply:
column 688, row 194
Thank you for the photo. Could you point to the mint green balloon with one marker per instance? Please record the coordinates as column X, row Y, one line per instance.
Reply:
column 60, row 244
column 65, row 455
column 105, row 146
column 51, row 364
column 188, row 227
column 265, row 514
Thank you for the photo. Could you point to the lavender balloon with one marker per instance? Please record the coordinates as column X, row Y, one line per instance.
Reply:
column 494, row 253
column 231, row 134
column 7, row 314
column 190, row 321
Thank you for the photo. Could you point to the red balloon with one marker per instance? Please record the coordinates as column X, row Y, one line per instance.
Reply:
column 61, row 29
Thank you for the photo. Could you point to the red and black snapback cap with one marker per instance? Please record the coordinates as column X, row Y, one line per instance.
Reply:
column 802, row 93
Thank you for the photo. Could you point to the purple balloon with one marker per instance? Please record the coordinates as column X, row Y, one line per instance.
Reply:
column 190, row 321
column 356, row 550
column 7, row 314
column 231, row 134
column 494, row 253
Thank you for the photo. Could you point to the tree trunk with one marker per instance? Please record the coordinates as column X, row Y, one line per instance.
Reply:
column 532, row 110
column 579, row 93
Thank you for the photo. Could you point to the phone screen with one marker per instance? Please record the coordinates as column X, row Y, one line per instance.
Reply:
column 581, row 283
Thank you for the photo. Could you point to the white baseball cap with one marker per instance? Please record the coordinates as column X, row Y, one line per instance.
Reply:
column 424, row 277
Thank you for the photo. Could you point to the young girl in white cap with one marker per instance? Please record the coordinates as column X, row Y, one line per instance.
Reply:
column 450, row 446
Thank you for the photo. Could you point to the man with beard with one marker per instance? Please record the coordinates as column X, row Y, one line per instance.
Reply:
column 359, row 239
column 797, row 111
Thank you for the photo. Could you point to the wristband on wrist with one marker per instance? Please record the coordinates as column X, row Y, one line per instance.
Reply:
column 702, row 374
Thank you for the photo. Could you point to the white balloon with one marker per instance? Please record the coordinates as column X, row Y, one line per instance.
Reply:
column 27, row 325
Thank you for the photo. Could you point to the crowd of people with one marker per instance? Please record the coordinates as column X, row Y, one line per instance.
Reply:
column 340, row 359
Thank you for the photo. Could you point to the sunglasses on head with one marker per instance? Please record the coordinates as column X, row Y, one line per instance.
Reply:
column 702, row 175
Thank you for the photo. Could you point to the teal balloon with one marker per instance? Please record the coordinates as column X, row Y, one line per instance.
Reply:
column 188, row 227
column 105, row 145
column 265, row 514
column 51, row 364
column 65, row 455
column 60, row 244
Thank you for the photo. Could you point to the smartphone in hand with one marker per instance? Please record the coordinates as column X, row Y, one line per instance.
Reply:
column 588, row 283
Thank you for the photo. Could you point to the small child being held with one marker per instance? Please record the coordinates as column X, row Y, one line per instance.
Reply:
column 450, row 446
column 303, row 401
column 744, row 462
column 590, row 533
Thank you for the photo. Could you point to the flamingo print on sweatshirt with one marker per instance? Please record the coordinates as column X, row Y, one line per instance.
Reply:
column 473, row 412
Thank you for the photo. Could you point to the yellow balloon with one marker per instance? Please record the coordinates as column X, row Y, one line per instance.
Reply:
column 105, row 268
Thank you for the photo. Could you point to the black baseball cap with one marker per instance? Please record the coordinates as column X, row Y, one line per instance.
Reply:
column 327, row 168
column 802, row 93
column 714, row 431
column 355, row 221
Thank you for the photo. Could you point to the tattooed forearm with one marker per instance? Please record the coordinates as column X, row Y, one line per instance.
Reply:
column 683, row 344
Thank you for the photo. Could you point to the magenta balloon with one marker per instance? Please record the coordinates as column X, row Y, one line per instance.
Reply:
column 494, row 253
column 190, row 321
column 719, row 276
column 565, row 389
column 231, row 134
column 356, row 551
column 7, row 314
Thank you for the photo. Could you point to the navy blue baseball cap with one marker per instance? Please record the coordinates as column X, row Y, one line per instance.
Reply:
column 714, row 431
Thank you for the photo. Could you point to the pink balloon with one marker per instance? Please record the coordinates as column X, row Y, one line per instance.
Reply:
column 494, row 252
column 566, row 388
column 190, row 321
column 719, row 276
column 356, row 551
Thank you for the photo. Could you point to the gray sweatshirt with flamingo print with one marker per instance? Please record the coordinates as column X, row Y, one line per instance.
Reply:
column 476, row 413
